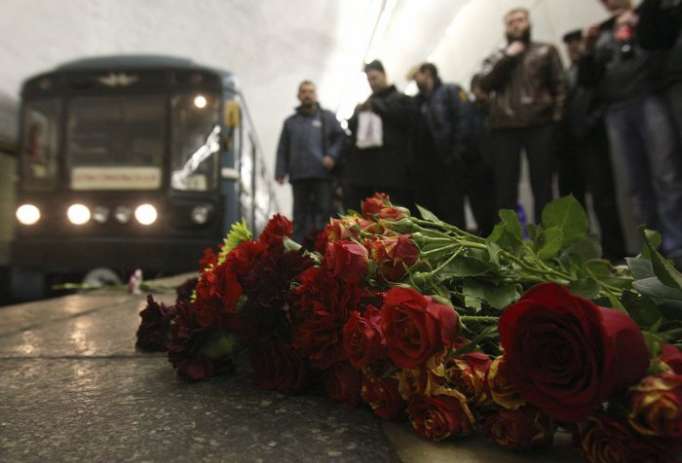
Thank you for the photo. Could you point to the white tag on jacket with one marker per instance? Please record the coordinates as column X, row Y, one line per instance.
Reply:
column 370, row 131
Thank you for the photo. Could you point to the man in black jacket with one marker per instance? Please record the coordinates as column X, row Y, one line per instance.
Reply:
column 309, row 147
column 383, row 168
column 525, row 80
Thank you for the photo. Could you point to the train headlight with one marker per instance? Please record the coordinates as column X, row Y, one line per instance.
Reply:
column 100, row 214
column 146, row 214
column 201, row 214
column 78, row 214
column 123, row 214
column 200, row 101
column 28, row 214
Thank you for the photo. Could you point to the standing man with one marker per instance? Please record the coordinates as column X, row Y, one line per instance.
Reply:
column 383, row 166
column 639, row 125
column 584, row 154
column 309, row 148
column 525, row 80
column 439, row 145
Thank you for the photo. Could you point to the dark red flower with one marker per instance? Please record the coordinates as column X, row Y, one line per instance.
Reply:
column 416, row 327
column 185, row 290
column 347, row 260
column 566, row 355
column 523, row 429
column 363, row 338
column 152, row 334
column 383, row 397
column 343, row 383
column 208, row 259
column 602, row 439
column 278, row 367
column 277, row 229
column 672, row 357
column 440, row 416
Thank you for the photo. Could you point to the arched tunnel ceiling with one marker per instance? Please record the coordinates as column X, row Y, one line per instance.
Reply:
column 273, row 44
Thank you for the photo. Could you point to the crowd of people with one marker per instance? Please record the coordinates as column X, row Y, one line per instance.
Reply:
column 618, row 103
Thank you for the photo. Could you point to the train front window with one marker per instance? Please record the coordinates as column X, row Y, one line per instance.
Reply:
column 195, row 142
column 116, row 143
column 40, row 141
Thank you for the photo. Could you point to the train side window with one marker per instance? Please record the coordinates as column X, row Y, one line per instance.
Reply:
column 40, row 141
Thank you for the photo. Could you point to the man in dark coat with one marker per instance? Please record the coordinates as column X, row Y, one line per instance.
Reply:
column 383, row 167
column 309, row 147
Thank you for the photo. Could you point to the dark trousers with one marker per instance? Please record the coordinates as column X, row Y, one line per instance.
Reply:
column 585, row 165
column 643, row 138
column 673, row 97
column 507, row 147
column 312, row 207
column 439, row 187
column 479, row 187
column 353, row 195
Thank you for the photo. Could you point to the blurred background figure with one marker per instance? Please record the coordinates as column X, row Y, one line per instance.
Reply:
column 584, row 162
column 379, row 161
column 526, row 83
column 640, row 128
column 441, row 133
column 309, row 148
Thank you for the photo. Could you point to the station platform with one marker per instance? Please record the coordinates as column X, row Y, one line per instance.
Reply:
column 73, row 389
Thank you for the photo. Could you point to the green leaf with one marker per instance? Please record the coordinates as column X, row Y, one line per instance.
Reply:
column 427, row 214
column 498, row 297
column 640, row 267
column 552, row 241
column 239, row 232
column 585, row 249
column 654, row 343
column 511, row 222
column 569, row 216
column 493, row 253
column 585, row 287
column 463, row 267
column 642, row 309
column 660, row 293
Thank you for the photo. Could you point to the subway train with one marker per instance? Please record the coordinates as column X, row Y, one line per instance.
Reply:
column 127, row 162
column 8, row 150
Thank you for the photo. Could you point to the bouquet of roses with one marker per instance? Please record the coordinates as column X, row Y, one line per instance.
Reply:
column 509, row 337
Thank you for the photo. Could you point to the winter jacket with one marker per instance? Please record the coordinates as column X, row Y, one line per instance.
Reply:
column 302, row 144
column 528, row 89
column 386, row 166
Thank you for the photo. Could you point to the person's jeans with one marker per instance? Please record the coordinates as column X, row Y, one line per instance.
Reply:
column 312, row 207
column 643, row 138
column 507, row 147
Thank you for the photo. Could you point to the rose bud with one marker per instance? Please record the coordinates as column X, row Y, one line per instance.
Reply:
column 567, row 355
column 424, row 380
column 343, row 384
column 602, row 439
column 393, row 214
column 466, row 373
column 416, row 327
column 363, row 339
column 374, row 204
column 393, row 255
column 440, row 416
column 672, row 357
column 277, row 229
column 500, row 390
column 656, row 406
column 347, row 260
column 523, row 429
column 383, row 397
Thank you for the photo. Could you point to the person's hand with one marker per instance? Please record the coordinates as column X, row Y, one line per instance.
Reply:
column 629, row 17
column 515, row 48
column 328, row 162
column 591, row 36
column 280, row 179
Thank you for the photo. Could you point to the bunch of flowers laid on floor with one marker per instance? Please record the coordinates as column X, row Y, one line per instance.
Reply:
column 508, row 337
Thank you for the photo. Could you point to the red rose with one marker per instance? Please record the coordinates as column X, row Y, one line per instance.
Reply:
column 347, row 260
column 278, row 228
column 656, row 406
column 523, row 429
column 343, row 383
column 602, row 439
column 383, row 397
column 566, row 355
column 500, row 389
column 374, row 204
column 363, row 339
column 278, row 367
column 672, row 357
column 467, row 373
column 416, row 327
column 440, row 416
column 393, row 255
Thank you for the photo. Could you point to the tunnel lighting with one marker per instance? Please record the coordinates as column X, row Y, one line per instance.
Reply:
column 200, row 101
column 101, row 214
column 146, row 214
column 123, row 214
column 200, row 214
column 78, row 214
column 28, row 214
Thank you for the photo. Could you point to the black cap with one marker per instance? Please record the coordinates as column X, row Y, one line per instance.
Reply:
column 573, row 36
column 375, row 65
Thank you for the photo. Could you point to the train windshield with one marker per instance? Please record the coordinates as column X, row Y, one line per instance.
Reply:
column 39, row 144
column 116, row 143
column 195, row 142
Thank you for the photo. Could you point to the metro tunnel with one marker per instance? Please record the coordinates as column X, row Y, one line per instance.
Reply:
column 361, row 230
